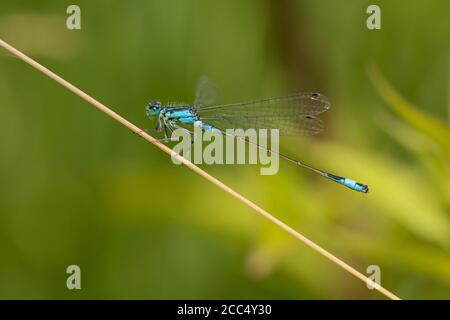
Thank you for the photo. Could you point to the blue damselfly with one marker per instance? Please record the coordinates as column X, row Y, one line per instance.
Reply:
column 292, row 115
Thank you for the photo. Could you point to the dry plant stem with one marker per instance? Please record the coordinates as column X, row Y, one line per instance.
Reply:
column 196, row 169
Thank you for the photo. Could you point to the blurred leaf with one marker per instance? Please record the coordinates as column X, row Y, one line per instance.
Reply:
column 433, row 128
column 395, row 190
column 410, row 256
column 430, row 154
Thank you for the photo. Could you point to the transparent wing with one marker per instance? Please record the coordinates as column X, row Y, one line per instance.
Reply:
column 207, row 93
column 292, row 115
column 287, row 126
column 303, row 103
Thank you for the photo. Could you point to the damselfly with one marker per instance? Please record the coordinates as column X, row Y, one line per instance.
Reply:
column 292, row 115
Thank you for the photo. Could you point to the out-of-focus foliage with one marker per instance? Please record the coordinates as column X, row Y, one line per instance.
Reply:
column 77, row 188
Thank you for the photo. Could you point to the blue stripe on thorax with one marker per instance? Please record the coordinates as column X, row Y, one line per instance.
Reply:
column 182, row 114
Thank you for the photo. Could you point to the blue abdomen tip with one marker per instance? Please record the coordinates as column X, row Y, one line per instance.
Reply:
column 349, row 183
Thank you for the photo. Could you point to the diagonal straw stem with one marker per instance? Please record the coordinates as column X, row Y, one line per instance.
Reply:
column 197, row 170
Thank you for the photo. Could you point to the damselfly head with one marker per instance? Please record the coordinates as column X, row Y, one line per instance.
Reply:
column 153, row 109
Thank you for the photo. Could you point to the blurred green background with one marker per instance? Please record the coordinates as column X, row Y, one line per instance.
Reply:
column 78, row 188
